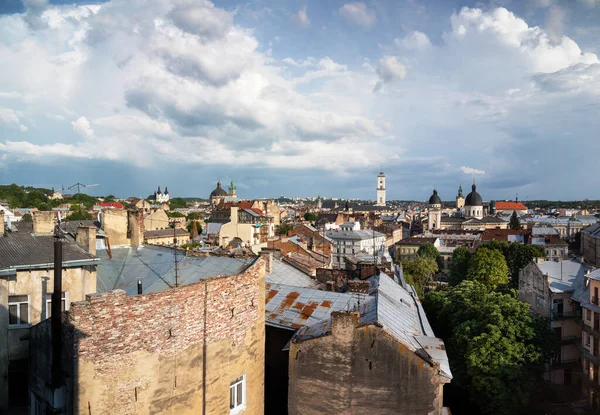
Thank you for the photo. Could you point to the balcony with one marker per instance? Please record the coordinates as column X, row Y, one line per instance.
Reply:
column 563, row 315
column 585, row 353
column 569, row 340
column 565, row 364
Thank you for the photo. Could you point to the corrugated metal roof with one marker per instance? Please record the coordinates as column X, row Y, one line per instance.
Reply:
column 283, row 273
column 155, row 266
column 294, row 307
column 22, row 249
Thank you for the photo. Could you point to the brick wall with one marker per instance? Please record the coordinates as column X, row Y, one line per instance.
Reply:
column 145, row 353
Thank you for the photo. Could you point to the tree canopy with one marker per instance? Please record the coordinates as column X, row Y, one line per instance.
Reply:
column 193, row 216
column 284, row 228
column 428, row 250
column 495, row 346
column 173, row 214
column 419, row 271
column 515, row 223
column 177, row 203
column 488, row 267
column 309, row 216
column 80, row 215
column 459, row 265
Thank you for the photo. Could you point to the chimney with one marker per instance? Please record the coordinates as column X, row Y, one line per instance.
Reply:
column 136, row 225
column 234, row 215
column 86, row 237
column 2, row 221
column 268, row 258
column 43, row 222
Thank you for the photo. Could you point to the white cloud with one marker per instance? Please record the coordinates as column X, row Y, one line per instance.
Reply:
column 358, row 13
column 82, row 127
column 471, row 171
column 11, row 119
column 301, row 18
column 202, row 18
column 555, row 22
column 503, row 30
column 414, row 41
column 389, row 70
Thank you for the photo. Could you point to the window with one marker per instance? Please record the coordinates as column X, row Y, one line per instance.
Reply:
column 588, row 315
column 18, row 311
column 237, row 395
column 588, row 340
column 63, row 303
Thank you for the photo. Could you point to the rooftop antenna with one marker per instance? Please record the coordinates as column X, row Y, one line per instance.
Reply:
column 175, row 255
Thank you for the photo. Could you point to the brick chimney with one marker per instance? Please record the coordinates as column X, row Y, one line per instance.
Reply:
column 43, row 222
column 86, row 237
column 136, row 225
column 268, row 258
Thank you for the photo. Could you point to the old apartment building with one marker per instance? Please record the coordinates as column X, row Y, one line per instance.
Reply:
column 243, row 223
column 350, row 240
column 549, row 288
column 590, row 244
column 194, row 346
column 26, row 286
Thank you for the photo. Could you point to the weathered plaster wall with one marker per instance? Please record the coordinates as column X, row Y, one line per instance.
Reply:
column 360, row 370
column 145, row 354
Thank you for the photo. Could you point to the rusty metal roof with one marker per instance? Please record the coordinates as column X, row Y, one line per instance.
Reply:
column 294, row 307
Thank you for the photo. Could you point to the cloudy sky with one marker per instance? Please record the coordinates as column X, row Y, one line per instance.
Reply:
column 302, row 97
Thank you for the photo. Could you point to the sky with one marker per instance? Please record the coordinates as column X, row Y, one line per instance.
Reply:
column 302, row 98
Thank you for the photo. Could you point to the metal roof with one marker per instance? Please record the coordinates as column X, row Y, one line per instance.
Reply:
column 294, row 307
column 353, row 235
column 283, row 273
column 399, row 312
column 20, row 249
column 155, row 266
column 165, row 233
column 565, row 276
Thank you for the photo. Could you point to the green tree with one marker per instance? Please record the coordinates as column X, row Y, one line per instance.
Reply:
column 515, row 223
column 193, row 216
column 517, row 258
column 429, row 250
column 497, row 348
column 109, row 198
column 459, row 265
column 284, row 228
column 419, row 271
column 488, row 267
column 44, row 206
column 27, row 217
column 501, row 246
column 190, row 227
column 172, row 214
column 309, row 216
column 177, row 203
column 79, row 215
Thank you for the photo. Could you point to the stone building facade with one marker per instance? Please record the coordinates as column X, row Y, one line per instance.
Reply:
column 590, row 244
column 26, row 285
column 361, row 369
column 195, row 349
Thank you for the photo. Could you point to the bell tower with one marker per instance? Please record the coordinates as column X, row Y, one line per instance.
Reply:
column 380, row 189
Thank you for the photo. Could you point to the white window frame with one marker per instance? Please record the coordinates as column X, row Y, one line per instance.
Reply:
column 233, row 389
column 18, row 304
column 49, row 303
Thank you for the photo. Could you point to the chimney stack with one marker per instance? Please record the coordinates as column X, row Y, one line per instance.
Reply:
column 86, row 237
column 268, row 258
column 43, row 222
column 136, row 224
column 2, row 222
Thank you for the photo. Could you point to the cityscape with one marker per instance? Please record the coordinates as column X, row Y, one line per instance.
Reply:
column 339, row 207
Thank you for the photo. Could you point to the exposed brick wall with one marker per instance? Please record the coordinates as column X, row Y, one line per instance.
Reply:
column 319, row 243
column 358, row 286
column 139, row 347
column 338, row 278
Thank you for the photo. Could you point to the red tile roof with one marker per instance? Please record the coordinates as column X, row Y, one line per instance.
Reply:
column 115, row 205
column 510, row 206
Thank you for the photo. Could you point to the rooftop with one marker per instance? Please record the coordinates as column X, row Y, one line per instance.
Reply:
column 23, row 249
column 354, row 235
column 510, row 206
column 564, row 276
column 155, row 266
column 165, row 233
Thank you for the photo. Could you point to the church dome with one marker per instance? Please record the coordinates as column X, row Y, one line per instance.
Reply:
column 474, row 198
column 218, row 191
column 435, row 199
